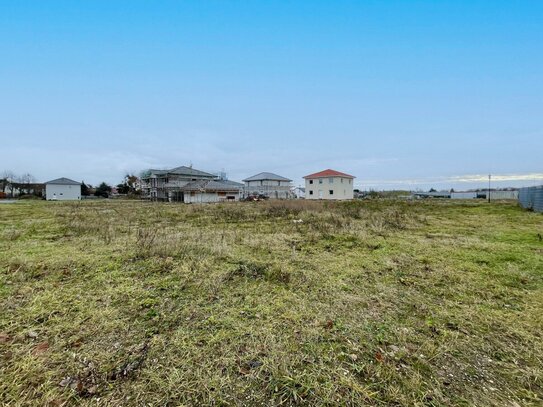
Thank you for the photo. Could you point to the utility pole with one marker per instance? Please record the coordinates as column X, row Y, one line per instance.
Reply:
column 488, row 188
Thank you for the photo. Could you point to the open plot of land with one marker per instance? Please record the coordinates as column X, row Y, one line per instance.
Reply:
column 355, row 303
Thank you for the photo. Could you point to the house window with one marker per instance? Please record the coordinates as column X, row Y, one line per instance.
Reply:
column 330, row 180
column 341, row 180
column 310, row 192
column 350, row 181
column 311, row 182
column 331, row 192
column 320, row 180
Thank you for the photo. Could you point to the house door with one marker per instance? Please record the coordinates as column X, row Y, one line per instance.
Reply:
column 320, row 194
column 178, row 196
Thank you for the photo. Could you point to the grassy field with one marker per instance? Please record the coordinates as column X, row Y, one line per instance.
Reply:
column 357, row 303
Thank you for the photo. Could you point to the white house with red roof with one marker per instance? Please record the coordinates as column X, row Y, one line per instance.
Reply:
column 329, row 184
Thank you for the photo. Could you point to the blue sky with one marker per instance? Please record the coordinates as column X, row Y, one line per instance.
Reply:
column 406, row 94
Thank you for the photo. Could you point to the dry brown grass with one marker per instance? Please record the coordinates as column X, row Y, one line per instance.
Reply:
column 270, row 303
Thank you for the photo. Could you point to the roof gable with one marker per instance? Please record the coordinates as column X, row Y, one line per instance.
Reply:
column 63, row 181
column 328, row 173
column 267, row 176
column 182, row 170
column 213, row 185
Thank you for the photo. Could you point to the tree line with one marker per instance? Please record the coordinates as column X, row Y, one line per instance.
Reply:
column 129, row 186
column 12, row 185
column 18, row 184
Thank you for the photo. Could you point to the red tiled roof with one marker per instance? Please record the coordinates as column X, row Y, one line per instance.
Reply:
column 328, row 173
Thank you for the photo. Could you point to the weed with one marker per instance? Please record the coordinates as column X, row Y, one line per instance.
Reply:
column 11, row 234
column 374, row 302
column 250, row 269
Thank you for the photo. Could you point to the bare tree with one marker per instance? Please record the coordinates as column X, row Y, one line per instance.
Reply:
column 16, row 185
column 26, row 180
column 7, row 179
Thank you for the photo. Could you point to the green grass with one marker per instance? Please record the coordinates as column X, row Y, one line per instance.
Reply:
column 361, row 303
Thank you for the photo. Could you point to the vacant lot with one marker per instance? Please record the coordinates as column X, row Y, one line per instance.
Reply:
column 361, row 303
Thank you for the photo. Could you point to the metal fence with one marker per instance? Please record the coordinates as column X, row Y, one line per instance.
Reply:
column 531, row 198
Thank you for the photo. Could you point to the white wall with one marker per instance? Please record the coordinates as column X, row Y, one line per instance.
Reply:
column 342, row 188
column 208, row 197
column 503, row 194
column 272, row 189
column 493, row 195
column 62, row 192
column 267, row 182
column 463, row 195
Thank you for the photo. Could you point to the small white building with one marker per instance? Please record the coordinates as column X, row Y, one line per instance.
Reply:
column 299, row 192
column 268, row 184
column 63, row 189
column 329, row 184
column 209, row 191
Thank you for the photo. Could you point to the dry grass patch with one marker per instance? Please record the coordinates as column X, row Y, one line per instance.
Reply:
column 380, row 302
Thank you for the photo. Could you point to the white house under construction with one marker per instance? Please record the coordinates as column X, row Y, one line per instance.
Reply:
column 186, row 184
column 270, row 185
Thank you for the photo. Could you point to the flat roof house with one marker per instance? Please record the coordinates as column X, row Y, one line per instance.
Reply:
column 269, row 184
column 329, row 184
column 63, row 189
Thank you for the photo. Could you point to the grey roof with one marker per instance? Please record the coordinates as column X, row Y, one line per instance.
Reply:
column 212, row 185
column 183, row 170
column 266, row 176
column 189, row 171
column 63, row 181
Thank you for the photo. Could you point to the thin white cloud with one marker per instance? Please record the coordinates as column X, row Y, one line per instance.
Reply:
column 457, row 179
column 497, row 177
